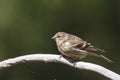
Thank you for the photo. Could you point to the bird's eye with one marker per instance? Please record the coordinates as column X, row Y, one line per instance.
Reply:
column 58, row 36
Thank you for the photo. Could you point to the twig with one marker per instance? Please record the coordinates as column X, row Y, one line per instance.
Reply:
column 56, row 58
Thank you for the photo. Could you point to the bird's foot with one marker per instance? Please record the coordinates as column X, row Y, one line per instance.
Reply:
column 73, row 61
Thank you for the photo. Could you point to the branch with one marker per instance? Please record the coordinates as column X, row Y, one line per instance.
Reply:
column 56, row 58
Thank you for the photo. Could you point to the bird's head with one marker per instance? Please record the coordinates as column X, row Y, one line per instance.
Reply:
column 60, row 37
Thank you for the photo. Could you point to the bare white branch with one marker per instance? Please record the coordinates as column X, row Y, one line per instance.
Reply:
column 56, row 58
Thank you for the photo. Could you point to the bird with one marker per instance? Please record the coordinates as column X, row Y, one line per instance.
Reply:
column 76, row 48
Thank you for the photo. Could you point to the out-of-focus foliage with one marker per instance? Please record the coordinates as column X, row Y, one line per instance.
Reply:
column 26, row 27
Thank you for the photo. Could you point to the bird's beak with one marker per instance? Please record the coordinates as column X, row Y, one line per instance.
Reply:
column 53, row 37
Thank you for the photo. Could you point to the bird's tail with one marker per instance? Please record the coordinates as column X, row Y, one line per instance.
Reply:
column 101, row 56
column 105, row 58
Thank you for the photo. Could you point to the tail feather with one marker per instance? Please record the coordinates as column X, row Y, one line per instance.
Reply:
column 101, row 56
column 105, row 58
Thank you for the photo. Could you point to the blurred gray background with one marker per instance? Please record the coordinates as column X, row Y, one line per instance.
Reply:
column 26, row 27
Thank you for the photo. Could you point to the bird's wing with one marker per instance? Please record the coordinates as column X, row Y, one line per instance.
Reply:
column 75, row 41
column 83, row 45
column 93, row 49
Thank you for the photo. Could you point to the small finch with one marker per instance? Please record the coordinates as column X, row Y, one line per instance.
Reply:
column 75, row 48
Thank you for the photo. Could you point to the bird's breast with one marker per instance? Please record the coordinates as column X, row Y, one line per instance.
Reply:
column 66, row 46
